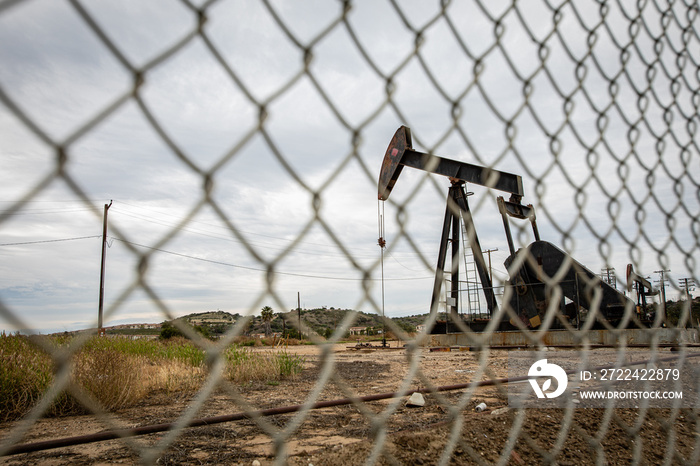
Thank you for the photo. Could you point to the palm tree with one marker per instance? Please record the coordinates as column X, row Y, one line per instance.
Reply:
column 266, row 314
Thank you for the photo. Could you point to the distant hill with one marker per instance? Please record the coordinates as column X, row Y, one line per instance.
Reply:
column 218, row 322
column 318, row 320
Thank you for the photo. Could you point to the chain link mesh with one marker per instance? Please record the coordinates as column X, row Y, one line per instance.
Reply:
column 595, row 104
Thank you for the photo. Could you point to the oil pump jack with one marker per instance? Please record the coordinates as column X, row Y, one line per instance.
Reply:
column 535, row 271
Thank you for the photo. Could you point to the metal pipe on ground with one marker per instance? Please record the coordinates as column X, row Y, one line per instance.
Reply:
column 156, row 428
column 207, row 421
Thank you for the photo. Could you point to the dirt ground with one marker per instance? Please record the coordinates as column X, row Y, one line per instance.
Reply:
column 412, row 435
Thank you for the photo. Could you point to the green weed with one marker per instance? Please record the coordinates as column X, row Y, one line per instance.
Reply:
column 119, row 372
column 245, row 365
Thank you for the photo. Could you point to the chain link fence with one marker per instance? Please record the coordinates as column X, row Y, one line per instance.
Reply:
column 594, row 104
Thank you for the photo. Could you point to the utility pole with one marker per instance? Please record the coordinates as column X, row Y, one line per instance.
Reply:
column 688, row 286
column 100, row 327
column 662, row 284
column 489, row 251
column 299, row 313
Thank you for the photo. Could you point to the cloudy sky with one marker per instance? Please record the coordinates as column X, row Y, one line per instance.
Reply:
column 238, row 138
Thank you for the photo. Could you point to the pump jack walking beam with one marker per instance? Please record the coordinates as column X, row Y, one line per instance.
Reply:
column 400, row 154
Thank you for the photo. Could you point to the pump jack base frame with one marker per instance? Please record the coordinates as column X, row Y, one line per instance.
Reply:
column 632, row 338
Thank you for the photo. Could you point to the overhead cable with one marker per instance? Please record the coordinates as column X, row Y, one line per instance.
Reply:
column 259, row 269
column 49, row 240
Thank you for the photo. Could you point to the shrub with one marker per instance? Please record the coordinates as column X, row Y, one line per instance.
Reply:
column 25, row 374
column 244, row 365
column 112, row 377
column 119, row 372
column 289, row 364
column 169, row 332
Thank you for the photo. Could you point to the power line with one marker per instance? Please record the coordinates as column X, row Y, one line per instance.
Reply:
column 191, row 223
column 398, row 262
column 221, row 226
column 226, row 264
column 229, row 238
column 81, row 206
column 36, row 201
column 190, row 227
column 215, row 235
column 207, row 260
column 46, row 211
column 49, row 240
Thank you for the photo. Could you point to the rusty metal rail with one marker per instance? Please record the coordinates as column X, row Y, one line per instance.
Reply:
column 207, row 421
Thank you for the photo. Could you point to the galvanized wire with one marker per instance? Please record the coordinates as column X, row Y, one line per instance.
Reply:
column 606, row 93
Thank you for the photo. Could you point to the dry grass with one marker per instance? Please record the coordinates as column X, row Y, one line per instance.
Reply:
column 120, row 372
column 173, row 376
column 25, row 373
column 113, row 378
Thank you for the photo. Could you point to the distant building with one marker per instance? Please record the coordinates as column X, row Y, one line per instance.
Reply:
column 262, row 335
column 133, row 326
column 358, row 330
column 142, row 337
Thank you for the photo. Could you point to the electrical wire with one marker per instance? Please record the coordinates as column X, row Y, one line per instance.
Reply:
column 227, row 264
column 174, row 223
column 45, row 211
column 228, row 238
column 211, row 234
column 232, row 239
column 405, row 267
column 50, row 240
